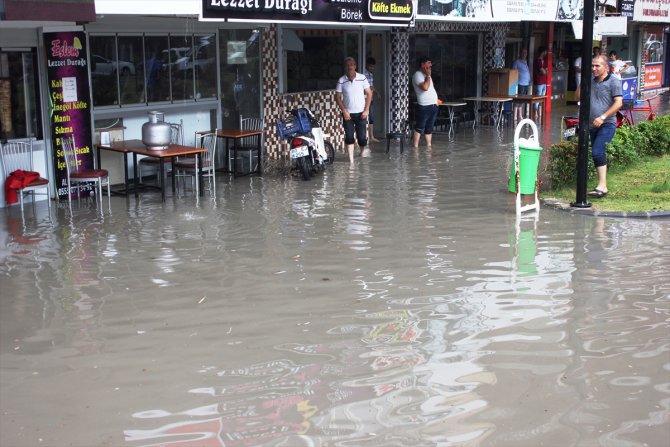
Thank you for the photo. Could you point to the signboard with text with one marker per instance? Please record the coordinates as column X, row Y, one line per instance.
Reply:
column 652, row 11
column 331, row 12
column 501, row 10
column 653, row 75
column 69, row 100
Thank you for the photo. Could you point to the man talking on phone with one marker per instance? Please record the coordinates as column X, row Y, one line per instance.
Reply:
column 426, row 102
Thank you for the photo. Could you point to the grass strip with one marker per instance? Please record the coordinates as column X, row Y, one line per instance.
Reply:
column 643, row 186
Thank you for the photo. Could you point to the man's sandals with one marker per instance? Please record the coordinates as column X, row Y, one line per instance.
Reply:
column 597, row 193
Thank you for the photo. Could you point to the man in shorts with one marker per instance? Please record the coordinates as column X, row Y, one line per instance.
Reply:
column 426, row 102
column 353, row 96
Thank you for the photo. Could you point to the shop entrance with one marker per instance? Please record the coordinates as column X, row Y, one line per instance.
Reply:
column 240, row 75
column 375, row 45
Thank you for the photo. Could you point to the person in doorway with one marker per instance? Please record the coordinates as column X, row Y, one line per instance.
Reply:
column 353, row 96
column 597, row 51
column 521, row 64
column 606, row 100
column 578, row 77
column 369, row 69
column 426, row 102
column 616, row 65
column 540, row 78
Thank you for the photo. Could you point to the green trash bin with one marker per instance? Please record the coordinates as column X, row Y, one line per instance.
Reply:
column 529, row 160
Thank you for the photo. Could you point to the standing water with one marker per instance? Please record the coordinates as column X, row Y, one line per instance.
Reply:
column 394, row 304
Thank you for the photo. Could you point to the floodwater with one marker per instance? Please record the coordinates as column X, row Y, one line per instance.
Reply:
column 395, row 304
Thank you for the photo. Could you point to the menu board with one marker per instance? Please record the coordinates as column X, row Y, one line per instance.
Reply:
column 69, row 100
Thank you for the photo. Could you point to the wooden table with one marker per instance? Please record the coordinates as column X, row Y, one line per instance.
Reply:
column 450, row 106
column 496, row 101
column 137, row 147
column 530, row 101
column 236, row 135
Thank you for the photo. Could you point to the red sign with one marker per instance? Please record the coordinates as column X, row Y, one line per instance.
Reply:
column 653, row 75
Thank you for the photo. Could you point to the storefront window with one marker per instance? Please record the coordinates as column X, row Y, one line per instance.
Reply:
column 19, row 108
column 136, row 69
column 104, row 70
column 181, row 70
column 240, row 75
column 155, row 70
column 131, row 69
column 205, row 66
column 315, row 58
column 454, row 58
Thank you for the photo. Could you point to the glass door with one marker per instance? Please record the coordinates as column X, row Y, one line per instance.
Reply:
column 19, row 92
column 240, row 75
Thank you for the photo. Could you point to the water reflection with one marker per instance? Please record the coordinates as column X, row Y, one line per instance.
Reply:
column 396, row 304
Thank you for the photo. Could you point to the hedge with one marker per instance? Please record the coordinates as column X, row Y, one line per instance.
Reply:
column 630, row 143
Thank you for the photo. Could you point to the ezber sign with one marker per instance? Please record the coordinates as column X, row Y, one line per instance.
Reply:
column 341, row 12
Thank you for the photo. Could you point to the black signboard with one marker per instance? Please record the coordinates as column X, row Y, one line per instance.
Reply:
column 340, row 12
column 627, row 7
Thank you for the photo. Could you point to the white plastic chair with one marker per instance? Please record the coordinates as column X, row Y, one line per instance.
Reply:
column 186, row 167
column 18, row 156
column 78, row 177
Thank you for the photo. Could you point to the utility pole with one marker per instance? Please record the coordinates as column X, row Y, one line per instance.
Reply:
column 584, row 107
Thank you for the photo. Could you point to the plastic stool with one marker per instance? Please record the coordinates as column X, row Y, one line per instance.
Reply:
column 395, row 136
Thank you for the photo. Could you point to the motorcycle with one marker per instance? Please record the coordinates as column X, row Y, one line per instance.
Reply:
column 308, row 145
column 570, row 126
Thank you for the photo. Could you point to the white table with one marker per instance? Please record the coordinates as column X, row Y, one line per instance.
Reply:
column 450, row 110
column 497, row 102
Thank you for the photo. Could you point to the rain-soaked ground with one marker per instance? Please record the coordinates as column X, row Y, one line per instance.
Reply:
column 395, row 304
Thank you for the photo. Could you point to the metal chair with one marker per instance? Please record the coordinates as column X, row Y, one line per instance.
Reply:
column 404, row 133
column 186, row 167
column 176, row 137
column 78, row 177
column 247, row 144
column 17, row 164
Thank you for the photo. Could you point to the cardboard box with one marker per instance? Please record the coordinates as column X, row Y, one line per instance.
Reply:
column 503, row 82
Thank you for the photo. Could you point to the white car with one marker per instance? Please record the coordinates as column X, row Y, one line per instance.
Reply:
column 101, row 66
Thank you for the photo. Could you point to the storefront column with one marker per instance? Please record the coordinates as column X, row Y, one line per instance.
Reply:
column 399, row 85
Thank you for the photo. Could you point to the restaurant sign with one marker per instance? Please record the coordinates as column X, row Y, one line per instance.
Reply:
column 501, row 10
column 652, row 11
column 339, row 12
column 69, row 100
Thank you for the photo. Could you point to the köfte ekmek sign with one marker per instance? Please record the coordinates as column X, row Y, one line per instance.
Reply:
column 343, row 12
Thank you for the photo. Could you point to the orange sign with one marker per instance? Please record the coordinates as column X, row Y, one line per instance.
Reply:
column 653, row 75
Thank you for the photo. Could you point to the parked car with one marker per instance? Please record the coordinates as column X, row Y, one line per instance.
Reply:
column 101, row 66
column 175, row 58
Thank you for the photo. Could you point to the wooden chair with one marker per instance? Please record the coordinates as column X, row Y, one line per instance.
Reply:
column 186, row 167
column 78, row 177
column 248, row 145
column 176, row 137
column 17, row 159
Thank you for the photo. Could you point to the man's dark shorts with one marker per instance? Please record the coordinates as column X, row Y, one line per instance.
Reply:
column 425, row 119
column 358, row 126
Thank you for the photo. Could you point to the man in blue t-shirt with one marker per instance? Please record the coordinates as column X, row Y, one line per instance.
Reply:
column 606, row 100
column 521, row 65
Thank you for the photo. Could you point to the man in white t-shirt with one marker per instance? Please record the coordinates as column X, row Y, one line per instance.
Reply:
column 578, row 70
column 616, row 65
column 426, row 102
column 353, row 96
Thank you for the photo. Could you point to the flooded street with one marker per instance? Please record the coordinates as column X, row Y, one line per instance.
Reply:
column 395, row 304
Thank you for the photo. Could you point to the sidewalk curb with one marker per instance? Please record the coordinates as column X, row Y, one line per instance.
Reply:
column 562, row 205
